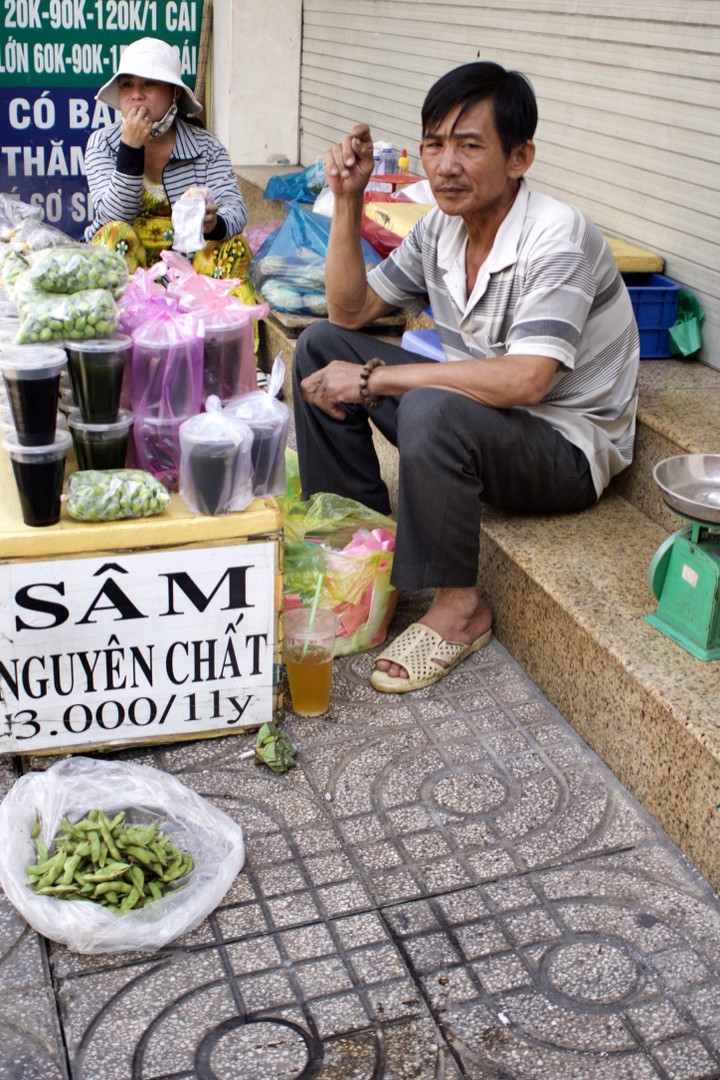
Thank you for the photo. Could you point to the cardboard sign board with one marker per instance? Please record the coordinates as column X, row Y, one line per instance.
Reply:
column 138, row 646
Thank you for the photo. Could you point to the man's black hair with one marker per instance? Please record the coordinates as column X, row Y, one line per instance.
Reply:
column 512, row 96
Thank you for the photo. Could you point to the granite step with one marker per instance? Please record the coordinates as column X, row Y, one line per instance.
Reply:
column 569, row 595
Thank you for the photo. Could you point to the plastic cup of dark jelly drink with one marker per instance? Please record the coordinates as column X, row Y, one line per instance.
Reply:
column 213, row 475
column 96, row 370
column 39, row 473
column 268, row 420
column 32, row 381
column 215, row 466
column 7, row 421
column 100, row 446
column 229, row 366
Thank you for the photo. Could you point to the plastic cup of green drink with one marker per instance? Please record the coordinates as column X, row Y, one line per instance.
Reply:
column 96, row 368
column 100, row 446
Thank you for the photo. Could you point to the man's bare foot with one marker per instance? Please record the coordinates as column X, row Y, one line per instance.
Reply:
column 457, row 615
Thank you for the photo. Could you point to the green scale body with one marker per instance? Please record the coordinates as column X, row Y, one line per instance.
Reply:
column 684, row 576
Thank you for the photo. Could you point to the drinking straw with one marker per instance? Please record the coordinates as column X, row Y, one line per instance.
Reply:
column 313, row 611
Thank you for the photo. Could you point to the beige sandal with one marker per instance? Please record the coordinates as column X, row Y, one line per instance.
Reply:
column 417, row 650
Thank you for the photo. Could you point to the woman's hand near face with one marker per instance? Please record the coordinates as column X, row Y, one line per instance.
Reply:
column 136, row 126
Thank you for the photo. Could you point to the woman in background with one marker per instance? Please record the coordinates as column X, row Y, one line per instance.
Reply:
column 138, row 168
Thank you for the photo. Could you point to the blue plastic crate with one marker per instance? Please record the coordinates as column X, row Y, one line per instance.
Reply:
column 654, row 299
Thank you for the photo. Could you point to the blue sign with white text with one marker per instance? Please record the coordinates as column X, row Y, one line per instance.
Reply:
column 47, row 89
column 42, row 151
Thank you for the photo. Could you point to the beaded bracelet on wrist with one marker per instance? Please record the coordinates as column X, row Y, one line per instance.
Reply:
column 370, row 401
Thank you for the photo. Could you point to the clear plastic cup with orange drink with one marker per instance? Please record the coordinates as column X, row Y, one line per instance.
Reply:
column 309, row 646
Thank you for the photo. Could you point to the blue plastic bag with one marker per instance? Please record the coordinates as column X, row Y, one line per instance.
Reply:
column 304, row 186
column 289, row 268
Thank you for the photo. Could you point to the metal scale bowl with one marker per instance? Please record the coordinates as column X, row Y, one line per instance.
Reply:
column 684, row 575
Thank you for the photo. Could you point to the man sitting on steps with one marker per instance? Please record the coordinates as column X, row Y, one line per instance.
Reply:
column 534, row 409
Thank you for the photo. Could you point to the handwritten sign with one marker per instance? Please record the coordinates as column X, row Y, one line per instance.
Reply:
column 54, row 57
column 148, row 645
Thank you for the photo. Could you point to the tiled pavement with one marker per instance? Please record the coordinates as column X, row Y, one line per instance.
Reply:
column 449, row 885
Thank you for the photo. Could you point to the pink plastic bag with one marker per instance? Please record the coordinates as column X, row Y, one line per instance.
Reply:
column 142, row 299
column 256, row 235
column 230, row 368
column 166, row 381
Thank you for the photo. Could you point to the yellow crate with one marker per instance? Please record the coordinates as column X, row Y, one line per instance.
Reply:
column 632, row 259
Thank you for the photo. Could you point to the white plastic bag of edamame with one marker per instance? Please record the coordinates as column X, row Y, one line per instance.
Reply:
column 71, row 789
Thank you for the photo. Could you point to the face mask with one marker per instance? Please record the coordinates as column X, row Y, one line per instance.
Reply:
column 163, row 125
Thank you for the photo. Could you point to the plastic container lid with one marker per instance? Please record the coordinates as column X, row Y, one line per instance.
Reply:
column 31, row 361
column 7, row 421
column 99, row 345
column 9, row 326
column 99, row 431
column 224, row 327
column 49, row 452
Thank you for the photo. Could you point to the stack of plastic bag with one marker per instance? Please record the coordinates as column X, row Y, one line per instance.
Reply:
column 69, row 292
column 230, row 366
column 289, row 268
column 303, row 186
column 387, row 217
column 40, row 272
column 351, row 547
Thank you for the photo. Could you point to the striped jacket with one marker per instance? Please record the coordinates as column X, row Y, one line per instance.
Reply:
column 115, row 176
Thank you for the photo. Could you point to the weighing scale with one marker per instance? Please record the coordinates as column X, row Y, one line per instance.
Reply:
column 684, row 574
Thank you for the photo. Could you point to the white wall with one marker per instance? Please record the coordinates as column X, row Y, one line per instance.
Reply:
column 256, row 79
column 628, row 98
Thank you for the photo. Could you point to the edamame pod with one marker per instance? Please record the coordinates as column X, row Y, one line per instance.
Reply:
column 123, row 867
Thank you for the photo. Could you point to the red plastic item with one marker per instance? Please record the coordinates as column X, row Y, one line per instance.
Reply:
column 396, row 179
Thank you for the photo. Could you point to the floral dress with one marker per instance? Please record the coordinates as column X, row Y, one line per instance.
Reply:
column 152, row 232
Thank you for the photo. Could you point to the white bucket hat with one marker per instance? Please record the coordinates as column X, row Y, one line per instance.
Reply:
column 150, row 58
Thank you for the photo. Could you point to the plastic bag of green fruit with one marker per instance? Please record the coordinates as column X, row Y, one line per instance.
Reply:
column 73, row 268
column 12, row 265
column 112, row 494
column 42, row 806
column 89, row 313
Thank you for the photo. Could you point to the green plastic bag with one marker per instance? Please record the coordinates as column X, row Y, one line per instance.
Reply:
column 685, row 334
column 352, row 548
column 292, row 473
